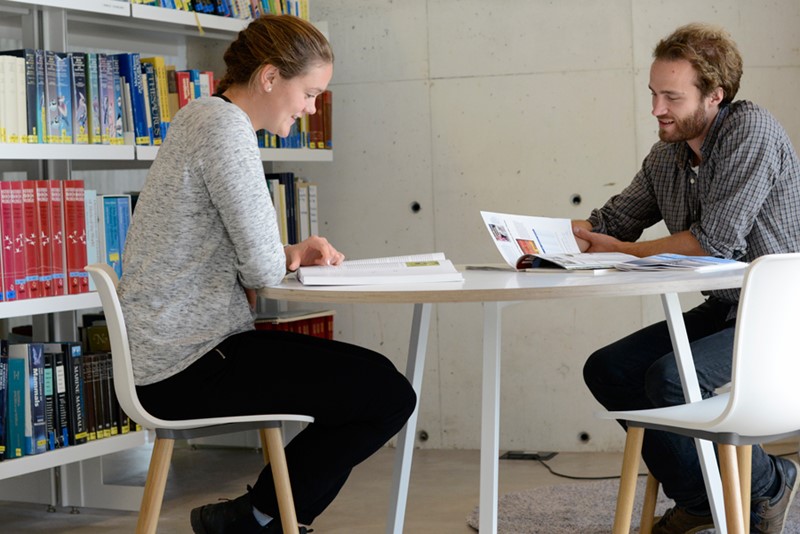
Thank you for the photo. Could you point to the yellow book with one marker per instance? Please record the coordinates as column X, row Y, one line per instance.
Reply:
column 162, row 91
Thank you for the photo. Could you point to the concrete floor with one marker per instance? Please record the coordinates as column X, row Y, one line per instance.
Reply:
column 443, row 492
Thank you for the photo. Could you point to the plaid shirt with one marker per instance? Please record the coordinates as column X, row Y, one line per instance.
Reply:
column 743, row 201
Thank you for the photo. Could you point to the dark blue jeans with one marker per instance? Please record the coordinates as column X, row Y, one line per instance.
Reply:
column 639, row 372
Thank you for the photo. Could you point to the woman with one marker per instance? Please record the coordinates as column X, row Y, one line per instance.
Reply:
column 204, row 236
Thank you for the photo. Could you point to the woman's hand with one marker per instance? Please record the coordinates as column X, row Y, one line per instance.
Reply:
column 313, row 251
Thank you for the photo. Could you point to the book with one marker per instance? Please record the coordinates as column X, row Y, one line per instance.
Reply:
column 57, row 235
column 35, row 433
column 310, row 323
column 44, row 240
column 49, row 402
column 76, row 400
column 60, row 394
column 152, row 103
column 3, row 395
column 9, row 243
column 32, row 73
column 162, row 91
column 80, row 103
column 313, row 212
column 64, row 97
column 415, row 268
column 93, row 98
column 92, row 237
column 15, row 423
column 108, row 232
column 53, row 122
column 75, row 236
column 528, row 242
column 671, row 262
column 30, row 225
column 18, row 262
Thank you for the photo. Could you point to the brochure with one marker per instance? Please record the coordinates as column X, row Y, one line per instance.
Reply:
column 660, row 262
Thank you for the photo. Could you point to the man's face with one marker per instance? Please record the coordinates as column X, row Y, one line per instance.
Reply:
column 683, row 115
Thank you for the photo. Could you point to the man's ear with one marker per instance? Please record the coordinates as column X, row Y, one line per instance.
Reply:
column 717, row 95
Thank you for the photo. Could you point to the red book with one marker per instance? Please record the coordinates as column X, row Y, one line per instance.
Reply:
column 185, row 94
column 327, row 118
column 7, row 236
column 57, row 238
column 75, row 236
column 30, row 223
column 18, row 270
column 45, row 240
column 316, row 135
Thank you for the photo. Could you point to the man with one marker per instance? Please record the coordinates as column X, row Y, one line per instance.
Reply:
column 725, row 179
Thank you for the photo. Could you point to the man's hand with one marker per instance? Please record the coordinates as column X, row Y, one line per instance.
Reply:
column 313, row 251
column 597, row 242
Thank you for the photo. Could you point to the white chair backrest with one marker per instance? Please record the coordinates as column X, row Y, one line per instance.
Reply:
column 765, row 380
column 105, row 278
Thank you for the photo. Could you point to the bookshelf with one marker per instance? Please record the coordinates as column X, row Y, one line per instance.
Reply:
column 46, row 24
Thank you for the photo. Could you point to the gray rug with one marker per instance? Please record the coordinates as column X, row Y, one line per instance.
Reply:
column 578, row 508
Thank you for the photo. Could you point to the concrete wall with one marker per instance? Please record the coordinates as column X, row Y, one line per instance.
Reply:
column 514, row 106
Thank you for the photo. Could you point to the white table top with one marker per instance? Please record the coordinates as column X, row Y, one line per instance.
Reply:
column 499, row 286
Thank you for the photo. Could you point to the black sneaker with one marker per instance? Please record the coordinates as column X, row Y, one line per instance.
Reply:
column 677, row 520
column 274, row 527
column 227, row 517
column 769, row 515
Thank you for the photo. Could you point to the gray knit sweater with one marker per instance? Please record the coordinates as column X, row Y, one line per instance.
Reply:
column 203, row 228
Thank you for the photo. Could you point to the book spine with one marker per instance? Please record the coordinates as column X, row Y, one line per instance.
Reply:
column 151, row 101
column 18, row 267
column 123, row 223
column 112, row 407
column 40, row 106
column 78, row 429
column 15, row 428
column 49, row 402
column 30, row 221
column 100, row 400
column 35, row 433
column 80, row 105
column 57, row 235
column 116, row 82
column 75, row 236
column 93, row 99
column 313, row 211
column 8, row 239
column 162, row 90
column 106, row 82
column 62, row 402
column 89, row 398
column 92, row 235
column 43, row 237
column 64, row 91
column 3, row 396
column 184, row 88
column 108, row 230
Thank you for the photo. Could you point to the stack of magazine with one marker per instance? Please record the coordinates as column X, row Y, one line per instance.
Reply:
column 416, row 268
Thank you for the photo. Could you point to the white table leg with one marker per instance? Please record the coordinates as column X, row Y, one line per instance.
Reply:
column 691, row 389
column 490, row 417
column 415, row 367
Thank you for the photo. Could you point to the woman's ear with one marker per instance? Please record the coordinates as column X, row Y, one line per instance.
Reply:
column 266, row 77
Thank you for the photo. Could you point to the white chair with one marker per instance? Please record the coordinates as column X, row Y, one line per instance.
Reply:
column 762, row 404
column 168, row 431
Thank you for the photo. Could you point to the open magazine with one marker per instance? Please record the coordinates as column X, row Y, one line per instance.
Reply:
column 661, row 262
column 415, row 268
column 527, row 242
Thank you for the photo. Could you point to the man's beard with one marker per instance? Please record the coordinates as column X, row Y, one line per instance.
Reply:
column 686, row 129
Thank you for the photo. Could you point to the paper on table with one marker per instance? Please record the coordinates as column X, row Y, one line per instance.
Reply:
column 415, row 268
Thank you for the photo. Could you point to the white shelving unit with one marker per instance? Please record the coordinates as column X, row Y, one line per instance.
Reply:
column 81, row 467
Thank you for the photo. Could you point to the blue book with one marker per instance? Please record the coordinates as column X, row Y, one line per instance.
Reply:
column 124, row 221
column 64, row 92
column 93, row 98
column 76, row 397
column 108, row 232
column 35, row 434
column 106, row 97
column 130, row 70
column 51, row 132
column 119, row 133
column 15, row 427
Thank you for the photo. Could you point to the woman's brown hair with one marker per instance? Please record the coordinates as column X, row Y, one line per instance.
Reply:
column 289, row 43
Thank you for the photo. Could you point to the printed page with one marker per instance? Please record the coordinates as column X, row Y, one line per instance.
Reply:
column 517, row 235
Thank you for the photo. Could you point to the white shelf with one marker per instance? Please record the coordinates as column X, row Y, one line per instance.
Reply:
column 295, row 154
column 40, row 151
column 67, row 455
column 38, row 306
column 184, row 18
column 106, row 7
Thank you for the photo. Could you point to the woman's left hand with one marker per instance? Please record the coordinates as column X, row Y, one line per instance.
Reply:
column 313, row 251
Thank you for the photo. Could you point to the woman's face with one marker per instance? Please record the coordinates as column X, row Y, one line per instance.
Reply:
column 290, row 99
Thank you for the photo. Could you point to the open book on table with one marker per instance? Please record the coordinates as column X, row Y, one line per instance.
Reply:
column 528, row 243
column 415, row 268
column 665, row 262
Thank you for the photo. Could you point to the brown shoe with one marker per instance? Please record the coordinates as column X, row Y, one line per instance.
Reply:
column 676, row 520
column 769, row 515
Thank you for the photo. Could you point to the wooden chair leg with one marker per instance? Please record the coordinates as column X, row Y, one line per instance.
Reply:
column 280, row 474
column 731, row 492
column 262, row 433
column 649, row 505
column 154, row 486
column 744, row 455
column 627, row 480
